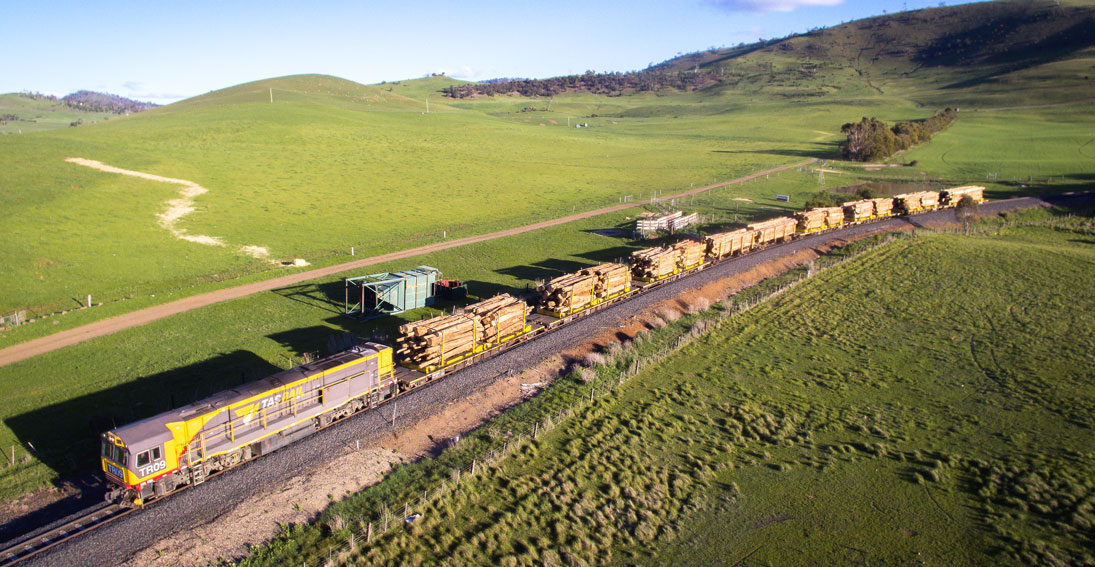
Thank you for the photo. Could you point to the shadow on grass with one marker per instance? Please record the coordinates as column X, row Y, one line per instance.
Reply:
column 65, row 436
column 539, row 271
column 328, row 296
column 822, row 150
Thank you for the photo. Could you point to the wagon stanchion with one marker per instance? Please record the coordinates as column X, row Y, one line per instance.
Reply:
column 491, row 456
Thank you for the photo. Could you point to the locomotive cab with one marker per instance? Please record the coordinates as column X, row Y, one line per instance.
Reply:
column 134, row 470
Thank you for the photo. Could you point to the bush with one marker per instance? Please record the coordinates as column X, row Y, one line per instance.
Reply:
column 669, row 314
column 593, row 359
column 585, row 375
column 698, row 305
column 820, row 199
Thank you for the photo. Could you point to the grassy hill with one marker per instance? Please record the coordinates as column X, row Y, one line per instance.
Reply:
column 983, row 54
column 333, row 164
column 35, row 114
column 927, row 402
column 329, row 165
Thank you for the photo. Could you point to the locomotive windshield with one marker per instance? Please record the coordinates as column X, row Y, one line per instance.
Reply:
column 112, row 452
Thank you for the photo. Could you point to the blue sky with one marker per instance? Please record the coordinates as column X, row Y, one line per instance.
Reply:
column 166, row 51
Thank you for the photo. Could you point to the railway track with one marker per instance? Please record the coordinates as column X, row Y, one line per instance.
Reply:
column 36, row 543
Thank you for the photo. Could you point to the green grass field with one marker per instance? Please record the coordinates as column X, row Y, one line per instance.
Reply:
column 40, row 115
column 941, row 414
column 331, row 165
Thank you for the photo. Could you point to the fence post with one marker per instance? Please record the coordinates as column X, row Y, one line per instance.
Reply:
column 369, row 533
column 473, row 463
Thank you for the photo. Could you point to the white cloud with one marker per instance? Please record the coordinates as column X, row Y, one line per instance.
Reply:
column 137, row 91
column 770, row 5
column 463, row 72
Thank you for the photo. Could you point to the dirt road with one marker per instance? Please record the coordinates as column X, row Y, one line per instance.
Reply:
column 80, row 334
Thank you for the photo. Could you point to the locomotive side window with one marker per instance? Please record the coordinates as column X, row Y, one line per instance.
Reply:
column 142, row 459
column 155, row 453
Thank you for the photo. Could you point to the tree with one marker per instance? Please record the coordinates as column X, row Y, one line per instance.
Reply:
column 866, row 192
column 819, row 199
column 965, row 211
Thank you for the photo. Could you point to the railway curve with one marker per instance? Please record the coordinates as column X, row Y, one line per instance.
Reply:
column 115, row 542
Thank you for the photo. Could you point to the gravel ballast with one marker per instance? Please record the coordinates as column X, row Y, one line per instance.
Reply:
column 116, row 542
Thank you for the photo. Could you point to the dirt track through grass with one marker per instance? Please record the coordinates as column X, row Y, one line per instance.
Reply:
column 68, row 337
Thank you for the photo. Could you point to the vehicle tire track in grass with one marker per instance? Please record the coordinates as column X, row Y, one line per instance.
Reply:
column 941, row 509
column 176, row 208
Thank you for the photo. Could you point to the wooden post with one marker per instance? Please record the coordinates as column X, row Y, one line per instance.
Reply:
column 473, row 463
column 369, row 533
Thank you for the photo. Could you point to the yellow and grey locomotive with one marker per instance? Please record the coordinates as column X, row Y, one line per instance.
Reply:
column 152, row 457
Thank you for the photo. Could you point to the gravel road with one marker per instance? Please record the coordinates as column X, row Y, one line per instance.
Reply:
column 42, row 345
column 116, row 542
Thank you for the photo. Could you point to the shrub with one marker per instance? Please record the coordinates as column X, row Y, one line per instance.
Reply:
column 593, row 359
column 585, row 375
column 668, row 313
column 698, row 305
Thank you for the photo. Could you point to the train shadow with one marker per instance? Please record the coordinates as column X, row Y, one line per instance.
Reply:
column 327, row 296
column 65, row 436
column 530, row 273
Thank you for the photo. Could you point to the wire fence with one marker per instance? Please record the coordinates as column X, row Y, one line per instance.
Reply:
column 366, row 529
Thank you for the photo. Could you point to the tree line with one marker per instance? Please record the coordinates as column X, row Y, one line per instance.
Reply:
column 871, row 139
column 597, row 83
column 91, row 101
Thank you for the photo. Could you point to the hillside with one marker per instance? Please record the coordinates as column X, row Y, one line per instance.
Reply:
column 22, row 113
column 331, row 165
column 105, row 102
column 1005, row 51
column 962, row 54
column 328, row 166
column 926, row 402
column 329, row 170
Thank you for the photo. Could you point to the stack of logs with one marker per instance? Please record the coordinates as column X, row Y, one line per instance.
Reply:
column 690, row 253
column 727, row 243
column 771, row 230
column 653, row 263
column 573, row 292
column 811, row 221
column 952, row 196
column 435, row 341
column 858, row 211
column 568, row 293
column 883, row 206
column 611, row 279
